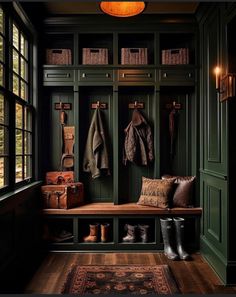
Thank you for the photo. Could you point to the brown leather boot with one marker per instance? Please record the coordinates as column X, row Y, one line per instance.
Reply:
column 104, row 232
column 93, row 235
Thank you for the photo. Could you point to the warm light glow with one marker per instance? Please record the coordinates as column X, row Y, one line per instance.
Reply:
column 217, row 70
column 122, row 9
column 217, row 73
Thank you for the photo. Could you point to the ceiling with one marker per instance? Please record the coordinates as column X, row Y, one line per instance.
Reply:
column 66, row 7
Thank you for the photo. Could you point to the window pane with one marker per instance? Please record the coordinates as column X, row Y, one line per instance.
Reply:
column 23, row 69
column 3, row 140
column 15, row 85
column 1, row 75
column 15, row 36
column 19, row 168
column 28, row 119
column 1, row 21
column 19, row 116
column 19, row 139
column 1, row 48
column 15, row 61
column 3, row 177
column 23, row 46
column 28, row 143
column 23, row 90
column 2, row 109
column 28, row 166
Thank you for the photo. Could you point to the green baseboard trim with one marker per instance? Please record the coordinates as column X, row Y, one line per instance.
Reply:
column 214, row 258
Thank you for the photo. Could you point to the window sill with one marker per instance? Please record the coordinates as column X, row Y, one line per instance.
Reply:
column 10, row 196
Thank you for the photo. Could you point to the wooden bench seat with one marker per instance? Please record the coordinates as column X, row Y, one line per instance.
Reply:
column 122, row 209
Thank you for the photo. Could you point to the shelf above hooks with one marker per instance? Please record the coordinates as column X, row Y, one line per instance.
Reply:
column 99, row 104
column 136, row 104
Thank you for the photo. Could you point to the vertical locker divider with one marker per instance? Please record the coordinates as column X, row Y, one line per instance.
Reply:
column 115, row 146
column 75, row 229
column 116, row 230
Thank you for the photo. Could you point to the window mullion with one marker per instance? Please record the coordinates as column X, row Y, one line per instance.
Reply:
column 23, row 144
column 12, row 142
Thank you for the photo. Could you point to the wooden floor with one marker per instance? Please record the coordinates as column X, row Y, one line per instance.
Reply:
column 193, row 276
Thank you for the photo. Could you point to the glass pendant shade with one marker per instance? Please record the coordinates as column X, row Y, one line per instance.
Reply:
column 123, row 8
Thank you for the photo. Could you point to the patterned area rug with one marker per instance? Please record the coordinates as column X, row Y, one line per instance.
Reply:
column 120, row 279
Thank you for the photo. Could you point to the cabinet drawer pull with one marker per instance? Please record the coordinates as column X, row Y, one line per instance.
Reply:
column 58, row 75
column 107, row 75
column 147, row 74
column 165, row 75
column 190, row 75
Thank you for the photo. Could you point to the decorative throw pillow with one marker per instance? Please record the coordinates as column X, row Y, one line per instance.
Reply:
column 184, row 191
column 156, row 192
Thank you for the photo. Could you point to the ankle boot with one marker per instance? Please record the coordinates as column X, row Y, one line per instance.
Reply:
column 104, row 232
column 93, row 235
column 131, row 233
column 167, row 234
column 179, row 228
column 144, row 233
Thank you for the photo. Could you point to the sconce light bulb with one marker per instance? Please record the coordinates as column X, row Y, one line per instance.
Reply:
column 217, row 73
column 217, row 70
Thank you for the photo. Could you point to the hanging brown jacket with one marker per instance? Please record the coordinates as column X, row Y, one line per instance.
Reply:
column 138, row 146
column 96, row 156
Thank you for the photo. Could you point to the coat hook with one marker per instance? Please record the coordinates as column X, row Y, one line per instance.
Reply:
column 99, row 104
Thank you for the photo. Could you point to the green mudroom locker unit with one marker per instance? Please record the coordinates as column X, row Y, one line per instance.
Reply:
column 116, row 141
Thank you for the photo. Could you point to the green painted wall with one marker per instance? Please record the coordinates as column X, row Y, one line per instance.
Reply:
column 216, row 161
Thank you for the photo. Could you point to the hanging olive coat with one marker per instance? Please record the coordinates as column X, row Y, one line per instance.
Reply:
column 96, row 158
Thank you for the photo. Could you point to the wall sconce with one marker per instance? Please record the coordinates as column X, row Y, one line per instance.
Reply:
column 217, row 71
column 225, row 85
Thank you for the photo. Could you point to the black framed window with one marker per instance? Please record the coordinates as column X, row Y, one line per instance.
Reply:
column 2, row 47
column 23, row 142
column 20, row 62
column 4, row 140
column 16, row 110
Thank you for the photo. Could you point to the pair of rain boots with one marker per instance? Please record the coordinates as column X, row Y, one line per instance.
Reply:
column 96, row 233
column 173, row 236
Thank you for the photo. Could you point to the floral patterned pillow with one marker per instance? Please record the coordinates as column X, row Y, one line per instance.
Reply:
column 156, row 192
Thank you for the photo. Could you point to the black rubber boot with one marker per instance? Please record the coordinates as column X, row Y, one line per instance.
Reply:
column 167, row 234
column 179, row 228
column 144, row 233
column 131, row 233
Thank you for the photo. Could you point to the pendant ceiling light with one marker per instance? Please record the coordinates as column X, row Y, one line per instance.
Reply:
column 122, row 8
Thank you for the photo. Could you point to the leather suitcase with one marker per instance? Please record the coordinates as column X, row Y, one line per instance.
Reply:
column 63, row 196
column 59, row 177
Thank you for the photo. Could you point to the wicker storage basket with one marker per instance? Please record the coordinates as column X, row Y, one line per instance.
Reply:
column 175, row 56
column 134, row 56
column 58, row 56
column 95, row 56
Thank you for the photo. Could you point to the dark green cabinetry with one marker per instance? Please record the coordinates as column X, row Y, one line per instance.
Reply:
column 57, row 75
column 178, row 77
column 217, row 160
column 77, row 228
column 153, row 84
column 96, row 75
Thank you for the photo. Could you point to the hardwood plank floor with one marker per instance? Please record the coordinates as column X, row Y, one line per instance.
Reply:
column 194, row 276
